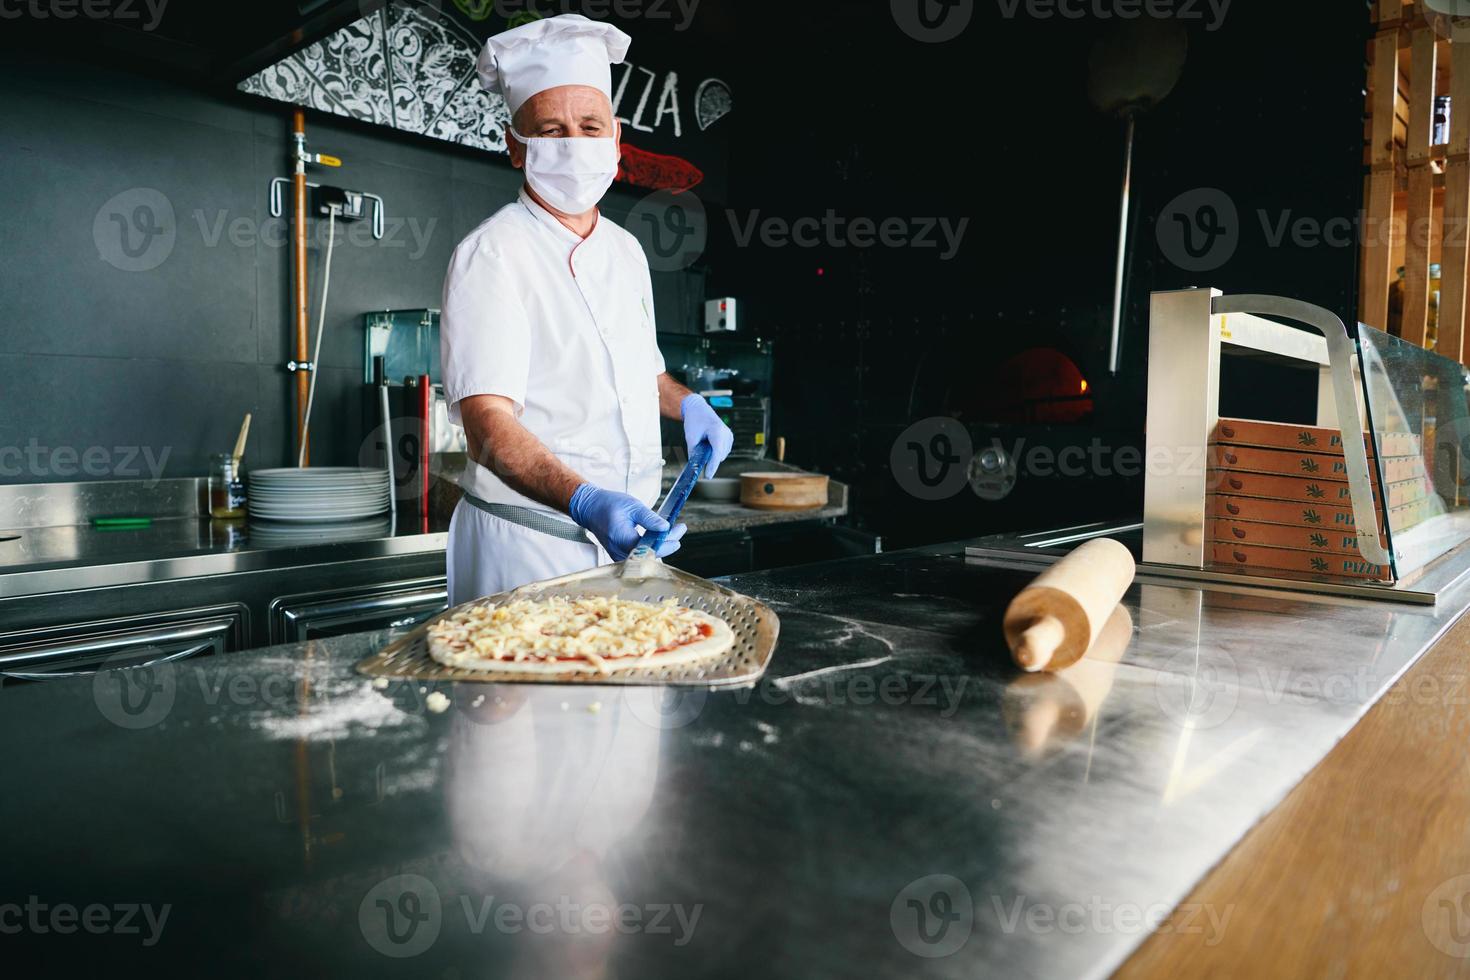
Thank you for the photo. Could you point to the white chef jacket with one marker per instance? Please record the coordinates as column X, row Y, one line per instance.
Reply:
column 563, row 327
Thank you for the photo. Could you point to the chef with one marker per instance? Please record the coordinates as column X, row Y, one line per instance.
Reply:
column 547, row 335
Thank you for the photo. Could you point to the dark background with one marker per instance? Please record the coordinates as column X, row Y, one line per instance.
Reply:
column 836, row 108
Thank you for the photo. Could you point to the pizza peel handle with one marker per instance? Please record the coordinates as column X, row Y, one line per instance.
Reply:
column 677, row 497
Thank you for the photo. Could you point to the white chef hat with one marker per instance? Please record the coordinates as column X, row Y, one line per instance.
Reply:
column 567, row 49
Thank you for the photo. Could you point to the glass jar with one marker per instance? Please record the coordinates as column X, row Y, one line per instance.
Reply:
column 226, row 486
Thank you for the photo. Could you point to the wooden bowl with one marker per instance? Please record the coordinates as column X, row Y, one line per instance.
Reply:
column 783, row 491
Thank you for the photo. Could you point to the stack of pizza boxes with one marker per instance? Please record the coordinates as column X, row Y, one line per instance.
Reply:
column 1279, row 497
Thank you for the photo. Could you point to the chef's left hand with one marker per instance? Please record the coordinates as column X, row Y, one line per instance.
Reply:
column 701, row 424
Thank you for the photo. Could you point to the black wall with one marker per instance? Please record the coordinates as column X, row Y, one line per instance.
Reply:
column 837, row 108
column 996, row 126
column 169, row 358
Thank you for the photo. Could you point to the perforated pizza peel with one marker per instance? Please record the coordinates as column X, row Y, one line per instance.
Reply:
column 642, row 577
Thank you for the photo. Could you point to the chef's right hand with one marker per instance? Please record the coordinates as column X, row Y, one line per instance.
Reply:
column 614, row 519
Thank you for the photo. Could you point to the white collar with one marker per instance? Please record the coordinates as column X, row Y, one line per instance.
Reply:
column 552, row 222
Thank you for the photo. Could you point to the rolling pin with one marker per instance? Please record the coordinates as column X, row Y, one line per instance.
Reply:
column 1056, row 618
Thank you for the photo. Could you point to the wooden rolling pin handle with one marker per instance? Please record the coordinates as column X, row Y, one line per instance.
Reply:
column 1039, row 641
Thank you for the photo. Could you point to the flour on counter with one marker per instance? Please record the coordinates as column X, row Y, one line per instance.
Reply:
column 339, row 713
column 786, row 683
column 854, row 629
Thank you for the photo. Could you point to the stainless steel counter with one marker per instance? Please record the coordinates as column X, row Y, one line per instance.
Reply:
column 46, row 560
column 51, row 559
column 889, row 792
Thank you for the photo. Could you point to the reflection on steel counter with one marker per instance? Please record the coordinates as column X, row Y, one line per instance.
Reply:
column 1045, row 710
column 876, row 754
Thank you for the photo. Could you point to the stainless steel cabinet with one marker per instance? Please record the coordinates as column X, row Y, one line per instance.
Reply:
column 84, row 648
column 336, row 612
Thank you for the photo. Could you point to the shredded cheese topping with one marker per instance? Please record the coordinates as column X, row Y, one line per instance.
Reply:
column 595, row 629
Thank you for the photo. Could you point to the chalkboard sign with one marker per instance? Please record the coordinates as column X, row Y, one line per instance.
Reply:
column 410, row 64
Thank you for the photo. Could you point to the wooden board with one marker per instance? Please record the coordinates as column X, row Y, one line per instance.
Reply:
column 1345, row 876
column 1420, row 227
column 1456, row 253
column 1378, row 242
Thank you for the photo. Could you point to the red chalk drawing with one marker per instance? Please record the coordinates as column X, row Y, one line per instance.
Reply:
column 657, row 171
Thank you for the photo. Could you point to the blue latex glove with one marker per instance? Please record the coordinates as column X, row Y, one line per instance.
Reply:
column 614, row 519
column 702, row 424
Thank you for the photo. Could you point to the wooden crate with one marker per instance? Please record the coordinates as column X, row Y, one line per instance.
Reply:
column 1417, row 194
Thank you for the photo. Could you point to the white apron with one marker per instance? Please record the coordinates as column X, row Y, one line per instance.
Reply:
column 563, row 327
column 488, row 555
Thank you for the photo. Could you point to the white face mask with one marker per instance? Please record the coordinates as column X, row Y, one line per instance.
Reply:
column 570, row 173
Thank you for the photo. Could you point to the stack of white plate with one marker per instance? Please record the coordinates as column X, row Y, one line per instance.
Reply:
column 318, row 494
column 280, row 534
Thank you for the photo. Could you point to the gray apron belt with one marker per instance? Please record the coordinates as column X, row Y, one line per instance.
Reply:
column 535, row 520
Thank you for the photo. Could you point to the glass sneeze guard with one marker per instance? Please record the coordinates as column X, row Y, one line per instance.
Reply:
column 1420, row 427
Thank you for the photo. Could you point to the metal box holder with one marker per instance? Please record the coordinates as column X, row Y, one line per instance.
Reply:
column 1375, row 381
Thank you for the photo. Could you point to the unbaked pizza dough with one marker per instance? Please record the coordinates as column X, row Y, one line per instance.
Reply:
column 594, row 635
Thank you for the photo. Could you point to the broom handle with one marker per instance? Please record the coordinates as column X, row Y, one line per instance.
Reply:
column 674, row 502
